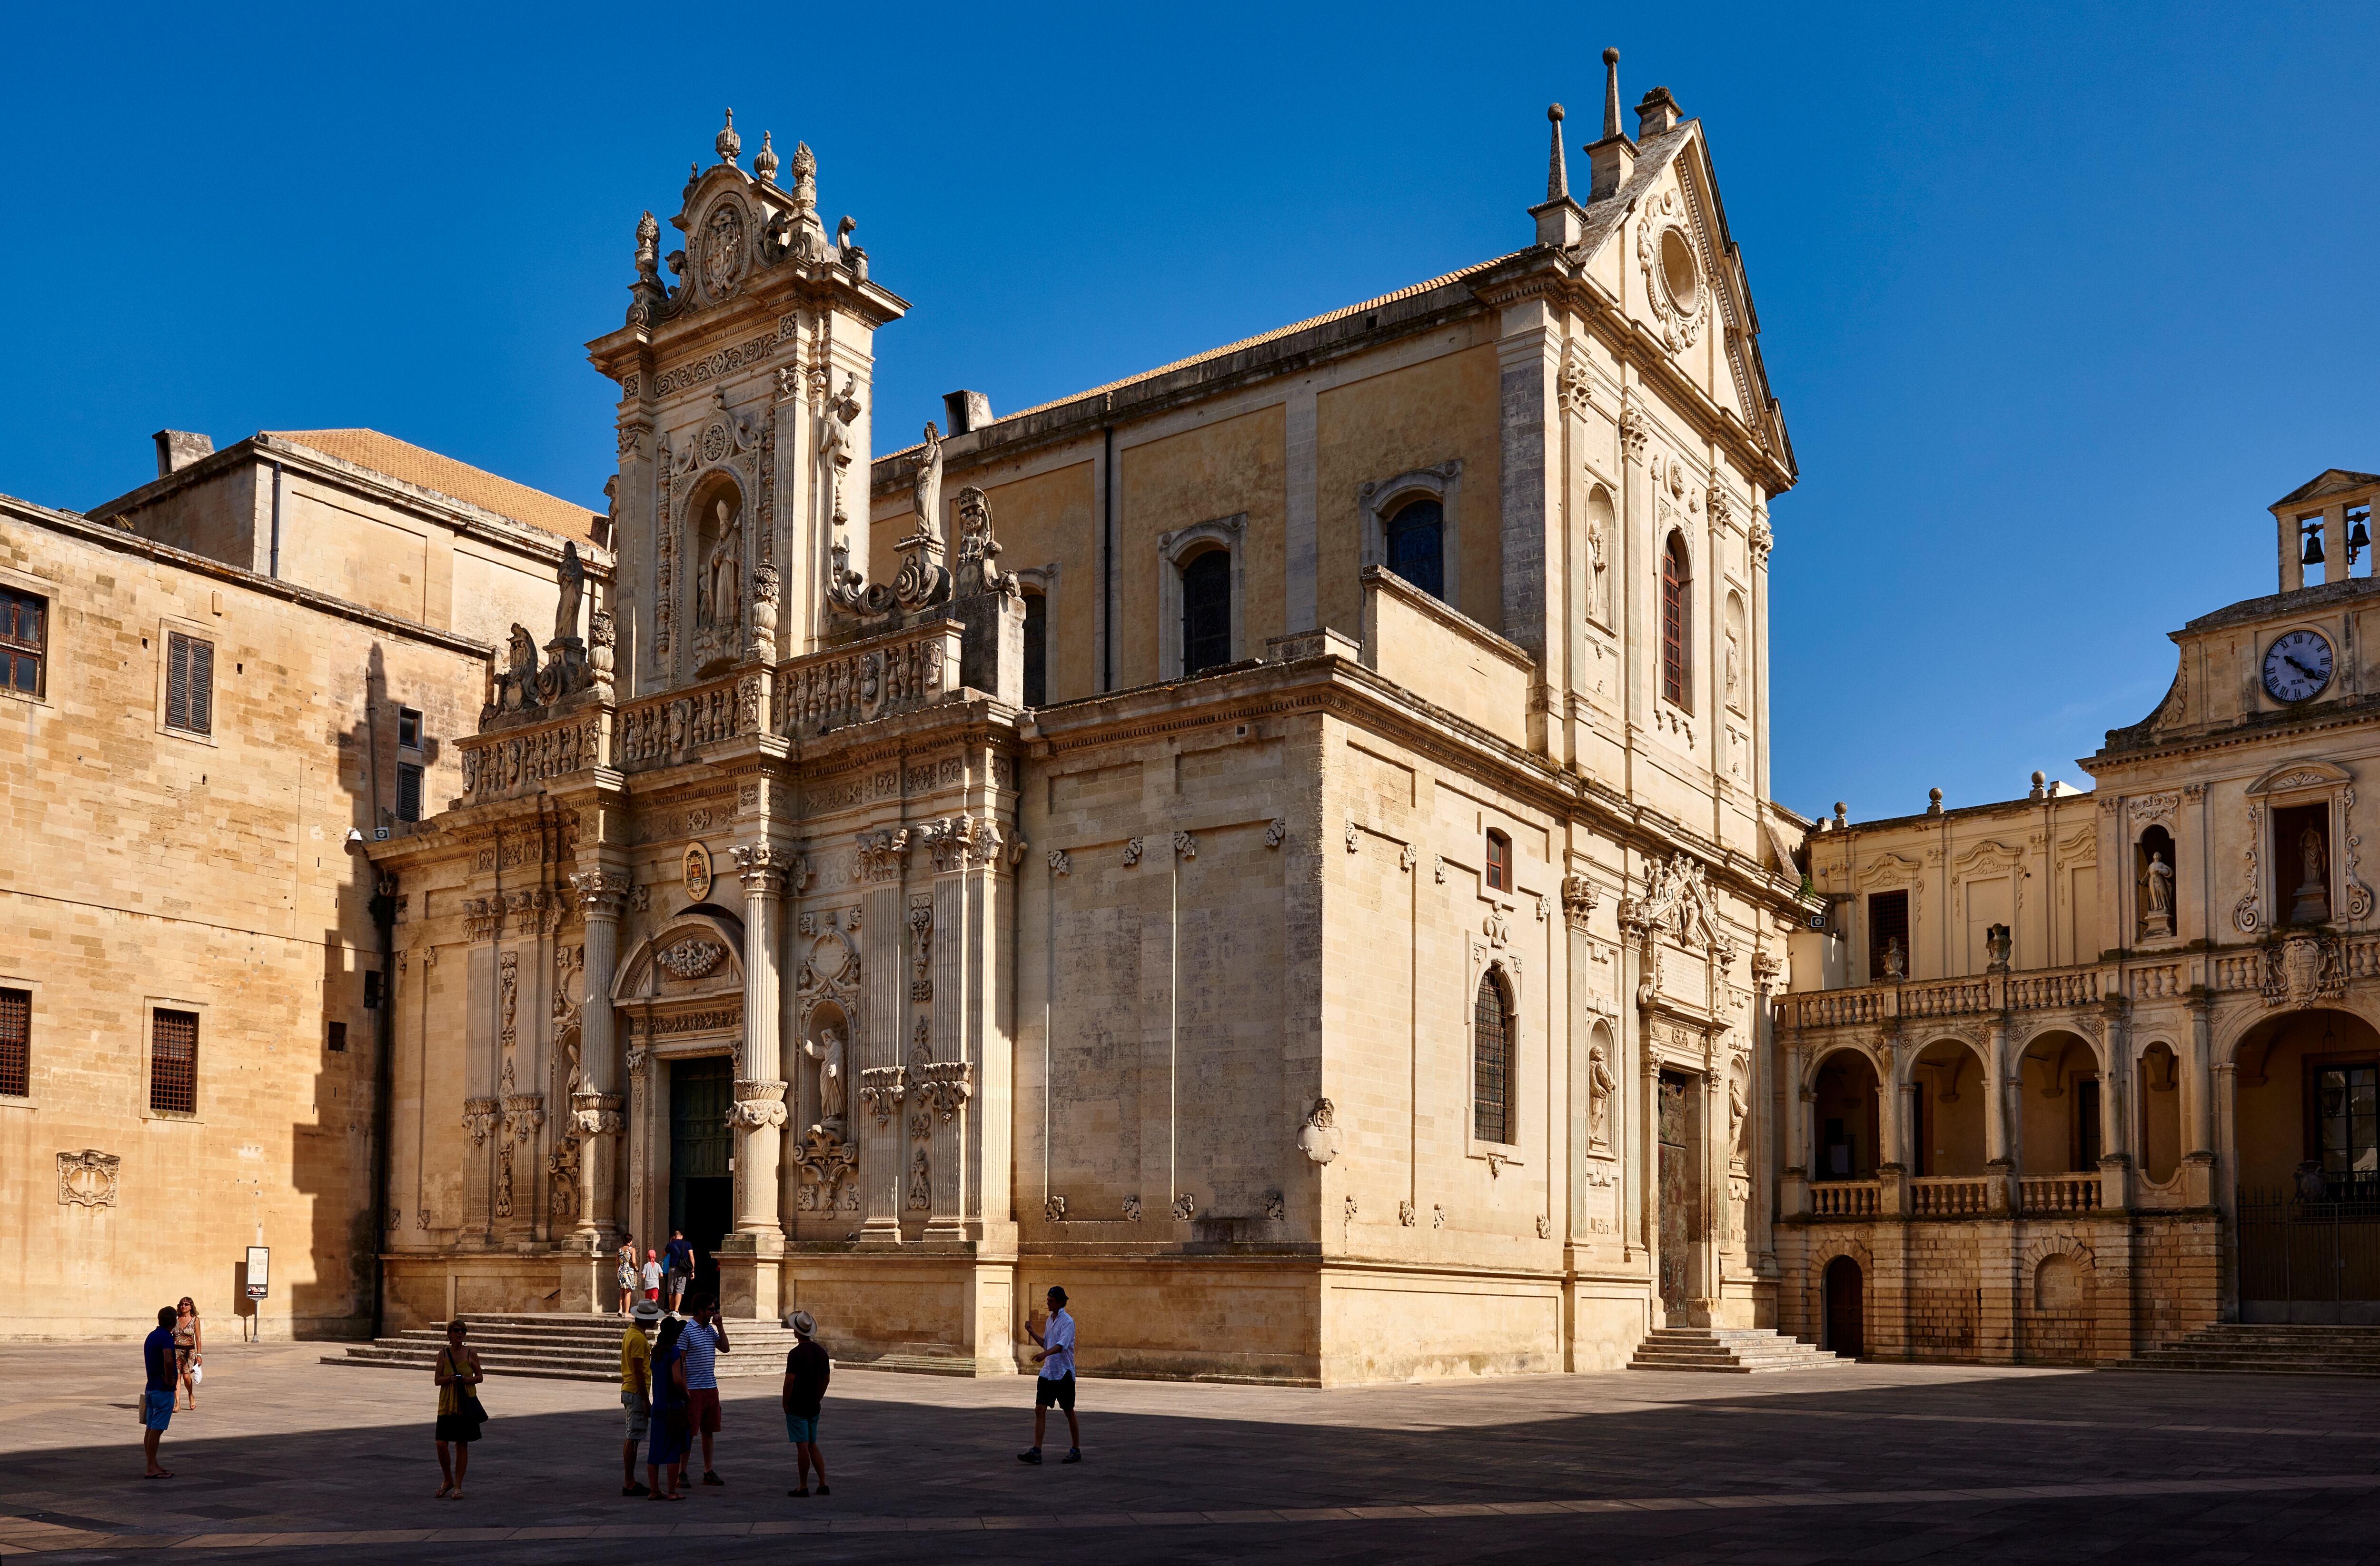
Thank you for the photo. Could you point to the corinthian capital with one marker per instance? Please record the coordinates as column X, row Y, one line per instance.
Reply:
column 601, row 892
column 765, row 867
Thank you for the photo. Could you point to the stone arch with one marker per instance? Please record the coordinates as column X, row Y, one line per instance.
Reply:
column 2284, row 1064
column 2059, row 1071
column 1950, row 1072
column 1843, row 1097
column 2057, row 1306
column 669, row 964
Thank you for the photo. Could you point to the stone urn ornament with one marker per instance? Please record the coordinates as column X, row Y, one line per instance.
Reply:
column 1318, row 1138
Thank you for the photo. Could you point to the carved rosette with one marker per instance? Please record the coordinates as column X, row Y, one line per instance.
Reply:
column 757, row 1105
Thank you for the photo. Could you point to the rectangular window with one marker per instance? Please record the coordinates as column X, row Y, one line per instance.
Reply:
column 408, row 792
column 24, row 641
column 337, row 1041
column 190, row 684
column 1500, row 862
column 2347, row 1118
column 1036, row 649
column 408, row 729
column 174, row 1063
column 2086, row 1124
column 1887, row 921
column 16, row 1043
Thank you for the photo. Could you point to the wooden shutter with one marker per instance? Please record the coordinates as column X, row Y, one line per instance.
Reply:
column 190, row 684
column 408, row 793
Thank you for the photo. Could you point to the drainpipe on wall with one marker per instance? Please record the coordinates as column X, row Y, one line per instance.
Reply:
column 275, row 571
column 383, row 915
column 1107, row 561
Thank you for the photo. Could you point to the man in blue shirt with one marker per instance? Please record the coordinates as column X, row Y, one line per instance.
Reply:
column 157, row 1400
column 677, row 1263
column 1056, row 1382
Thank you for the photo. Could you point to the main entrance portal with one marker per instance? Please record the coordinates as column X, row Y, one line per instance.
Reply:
column 1678, row 1191
column 701, row 1187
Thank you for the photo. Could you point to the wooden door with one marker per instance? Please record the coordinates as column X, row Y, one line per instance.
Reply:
column 1846, row 1308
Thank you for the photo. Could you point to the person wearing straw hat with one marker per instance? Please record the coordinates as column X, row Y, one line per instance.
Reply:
column 636, row 1389
column 806, row 1371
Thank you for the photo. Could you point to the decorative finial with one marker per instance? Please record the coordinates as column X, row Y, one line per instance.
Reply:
column 764, row 162
column 729, row 144
column 1557, row 172
column 649, row 233
column 1612, row 93
column 805, row 177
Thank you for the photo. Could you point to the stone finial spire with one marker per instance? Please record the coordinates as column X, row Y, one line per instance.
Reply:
column 764, row 162
column 805, row 177
column 1611, row 92
column 729, row 144
column 1559, row 222
column 1614, row 159
column 1557, row 172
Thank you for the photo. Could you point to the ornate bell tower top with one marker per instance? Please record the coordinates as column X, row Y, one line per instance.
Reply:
column 744, row 376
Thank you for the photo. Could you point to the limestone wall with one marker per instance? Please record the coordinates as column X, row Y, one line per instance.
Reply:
column 208, row 874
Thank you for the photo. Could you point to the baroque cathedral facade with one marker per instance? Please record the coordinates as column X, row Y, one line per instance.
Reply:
column 1280, row 843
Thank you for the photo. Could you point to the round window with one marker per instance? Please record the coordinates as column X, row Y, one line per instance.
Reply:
column 1679, row 274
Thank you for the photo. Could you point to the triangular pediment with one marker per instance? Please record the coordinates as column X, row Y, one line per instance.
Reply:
column 2329, row 482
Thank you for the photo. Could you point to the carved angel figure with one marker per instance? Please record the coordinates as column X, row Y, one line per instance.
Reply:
column 842, row 417
column 517, row 682
column 827, row 1051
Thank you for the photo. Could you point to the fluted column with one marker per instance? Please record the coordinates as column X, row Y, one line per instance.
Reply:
column 595, row 1107
column 760, row 1112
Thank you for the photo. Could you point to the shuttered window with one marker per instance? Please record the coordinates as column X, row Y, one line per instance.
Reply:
column 1491, row 1063
column 190, row 684
column 174, row 1063
column 408, row 792
column 24, row 641
column 15, row 1042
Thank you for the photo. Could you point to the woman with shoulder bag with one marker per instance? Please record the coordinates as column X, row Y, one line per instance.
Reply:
column 673, row 1435
column 628, row 1272
column 459, row 1411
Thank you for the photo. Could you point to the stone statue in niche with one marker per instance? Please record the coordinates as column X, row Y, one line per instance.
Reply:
column 1595, row 546
column 827, row 1051
column 718, row 596
column 1734, row 671
column 1599, row 1088
column 2312, row 903
column 2156, row 896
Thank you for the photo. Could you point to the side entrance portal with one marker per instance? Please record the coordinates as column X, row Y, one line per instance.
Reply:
column 1846, row 1308
column 701, row 1186
column 1679, row 1186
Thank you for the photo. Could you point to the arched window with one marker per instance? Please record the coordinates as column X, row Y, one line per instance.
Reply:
column 1676, row 607
column 1036, row 649
column 1415, row 538
column 1500, row 862
column 1492, row 1062
column 1206, row 612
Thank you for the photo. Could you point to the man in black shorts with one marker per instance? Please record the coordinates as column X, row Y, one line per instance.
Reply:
column 1056, row 1382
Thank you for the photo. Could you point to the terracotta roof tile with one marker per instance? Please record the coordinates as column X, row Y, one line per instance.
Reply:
column 409, row 463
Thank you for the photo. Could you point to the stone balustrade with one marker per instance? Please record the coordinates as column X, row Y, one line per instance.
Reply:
column 2060, row 1193
column 513, row 762
column 1976, row 996
column 1949, row 1196
column 1847, row 1198
column 660, row 731
column 876, row 678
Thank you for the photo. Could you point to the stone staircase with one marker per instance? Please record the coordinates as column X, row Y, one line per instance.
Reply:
column 2266, row 1350
column 557, row 1348
column 1727, row 1351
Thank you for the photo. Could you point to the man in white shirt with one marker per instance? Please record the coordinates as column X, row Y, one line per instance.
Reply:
column 1056, row 1382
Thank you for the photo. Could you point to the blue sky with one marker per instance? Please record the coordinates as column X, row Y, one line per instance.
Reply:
column 2057, row 298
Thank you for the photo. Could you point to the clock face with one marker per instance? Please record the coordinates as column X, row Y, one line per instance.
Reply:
column 2297, row 666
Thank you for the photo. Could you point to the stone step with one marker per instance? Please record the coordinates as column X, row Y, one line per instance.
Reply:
column 1735, row 1351
column 554, row 1347
column 2269, row 1349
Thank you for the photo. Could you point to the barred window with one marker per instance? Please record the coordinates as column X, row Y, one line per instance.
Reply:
column 24, row 641
column 190, row 684
column 1492, row 1062
column 15, row 1042
column 174, row 1063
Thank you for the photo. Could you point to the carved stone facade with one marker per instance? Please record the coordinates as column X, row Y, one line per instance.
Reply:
column 2119, row 1066
column 960, row 1022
